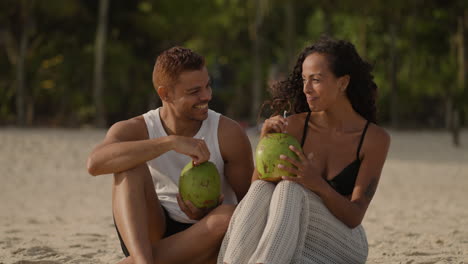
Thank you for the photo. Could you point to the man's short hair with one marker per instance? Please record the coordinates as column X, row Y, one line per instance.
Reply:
column 172, row 62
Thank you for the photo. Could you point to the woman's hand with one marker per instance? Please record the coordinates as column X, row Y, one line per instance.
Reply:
column 307, row 170
column 275, row 124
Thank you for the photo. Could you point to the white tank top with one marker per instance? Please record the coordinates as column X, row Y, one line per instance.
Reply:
column 165, row 169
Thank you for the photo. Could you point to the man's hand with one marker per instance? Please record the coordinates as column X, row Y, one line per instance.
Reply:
column 193, row 147
column 193, row 212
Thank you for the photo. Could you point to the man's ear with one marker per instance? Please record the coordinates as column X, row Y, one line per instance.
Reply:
column 163, row 93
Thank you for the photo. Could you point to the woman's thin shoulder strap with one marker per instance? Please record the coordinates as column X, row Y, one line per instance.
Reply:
column 304, row 133
column 362, row 139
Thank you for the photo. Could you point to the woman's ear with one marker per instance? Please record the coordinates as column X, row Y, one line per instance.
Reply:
column 343, row 82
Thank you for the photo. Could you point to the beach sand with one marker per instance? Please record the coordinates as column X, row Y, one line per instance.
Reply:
column 53, row 211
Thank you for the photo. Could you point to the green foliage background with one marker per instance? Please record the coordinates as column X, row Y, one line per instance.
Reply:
column 59, row 59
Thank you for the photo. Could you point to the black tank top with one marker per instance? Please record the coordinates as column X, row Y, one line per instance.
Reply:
column 344, row 182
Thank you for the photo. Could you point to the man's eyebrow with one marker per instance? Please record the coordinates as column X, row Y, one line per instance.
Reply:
column 193, row 88
column 198, row 87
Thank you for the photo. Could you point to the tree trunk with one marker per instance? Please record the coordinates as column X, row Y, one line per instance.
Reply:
column 394, row 113
column 363, row 36
column 100, row 44
column 257, row 73
column 20, row 77
column 327, row 21
column 461, row 79
column 290, row 35
column 22, row 99
column 448, row 112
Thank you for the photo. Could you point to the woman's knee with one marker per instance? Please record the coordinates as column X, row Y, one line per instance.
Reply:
column 260, row 186
column 289, row 186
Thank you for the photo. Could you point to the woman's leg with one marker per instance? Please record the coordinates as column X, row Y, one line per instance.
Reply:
column 287, row 219
column 247, row 224
column 328, row 240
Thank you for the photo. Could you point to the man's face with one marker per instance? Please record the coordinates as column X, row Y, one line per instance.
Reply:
column 191, row 94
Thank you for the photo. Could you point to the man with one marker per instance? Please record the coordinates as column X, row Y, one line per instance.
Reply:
column 147, row 153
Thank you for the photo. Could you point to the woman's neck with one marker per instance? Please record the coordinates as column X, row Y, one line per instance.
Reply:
column 340, row 117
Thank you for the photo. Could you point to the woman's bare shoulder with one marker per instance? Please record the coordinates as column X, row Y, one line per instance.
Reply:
column 297, row 119
column 377, row 138
column 296, row 124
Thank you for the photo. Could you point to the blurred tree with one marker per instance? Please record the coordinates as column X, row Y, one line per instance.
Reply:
column 17, row 31
column 99, row 83
column 49, row 54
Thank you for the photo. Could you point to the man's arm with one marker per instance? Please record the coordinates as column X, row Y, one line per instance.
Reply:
column 127, row 145
column 237, row 155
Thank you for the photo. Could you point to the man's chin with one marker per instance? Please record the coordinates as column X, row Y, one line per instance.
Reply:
column 200, row 114
column 199, row 117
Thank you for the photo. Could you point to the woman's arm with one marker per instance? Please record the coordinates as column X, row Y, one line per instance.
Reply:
column 349, row 211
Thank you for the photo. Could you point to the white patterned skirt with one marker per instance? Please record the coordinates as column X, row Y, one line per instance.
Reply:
column 286, row 223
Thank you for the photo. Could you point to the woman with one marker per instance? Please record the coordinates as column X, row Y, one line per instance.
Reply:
column 316, row 217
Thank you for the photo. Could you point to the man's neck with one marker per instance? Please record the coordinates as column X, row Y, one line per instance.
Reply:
column 175, row 125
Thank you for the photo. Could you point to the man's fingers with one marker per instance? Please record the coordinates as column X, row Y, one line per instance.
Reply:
column 202, row 153
column 181, row 203
column 191, row 207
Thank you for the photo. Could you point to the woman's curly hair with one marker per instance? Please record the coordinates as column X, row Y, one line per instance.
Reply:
column 344, row 60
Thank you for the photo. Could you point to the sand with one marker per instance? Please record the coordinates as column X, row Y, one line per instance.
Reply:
column 52, row 211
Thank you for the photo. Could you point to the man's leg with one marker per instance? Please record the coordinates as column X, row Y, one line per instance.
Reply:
column 141, row 222
column 138, row 213
column 198, row 244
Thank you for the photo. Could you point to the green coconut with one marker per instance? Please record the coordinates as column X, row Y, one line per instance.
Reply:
column 200, row 184
column 267, row 155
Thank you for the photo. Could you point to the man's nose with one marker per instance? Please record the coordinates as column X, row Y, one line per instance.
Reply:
column 206, row 94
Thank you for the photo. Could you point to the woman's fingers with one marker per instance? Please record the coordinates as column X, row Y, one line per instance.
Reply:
column 275, row 124
column 290, row 160
column 299, row 153
column 289, row 169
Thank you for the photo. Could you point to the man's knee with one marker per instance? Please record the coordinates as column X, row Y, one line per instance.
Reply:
column 219, row 219
column 133, row 176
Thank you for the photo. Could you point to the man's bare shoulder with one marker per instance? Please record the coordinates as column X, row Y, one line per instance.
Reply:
column 129, row 130
column 232, row 138
column 229, row 127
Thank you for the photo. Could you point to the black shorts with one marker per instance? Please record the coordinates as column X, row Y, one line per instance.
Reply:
column 172, row 227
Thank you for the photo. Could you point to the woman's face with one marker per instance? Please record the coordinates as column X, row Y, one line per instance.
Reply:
column 321, row 87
